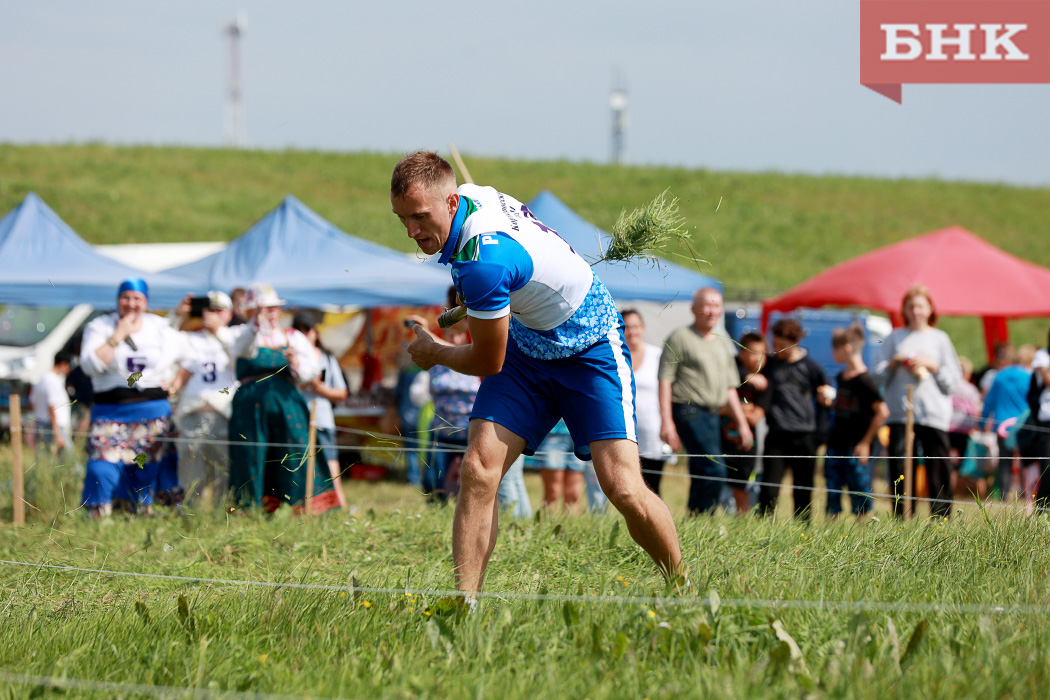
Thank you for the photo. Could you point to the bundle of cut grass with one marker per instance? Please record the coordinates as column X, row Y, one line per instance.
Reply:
column 647, row 230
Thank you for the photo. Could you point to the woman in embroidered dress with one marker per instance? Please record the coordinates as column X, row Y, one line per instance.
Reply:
column 272, row 364
column 130, row 355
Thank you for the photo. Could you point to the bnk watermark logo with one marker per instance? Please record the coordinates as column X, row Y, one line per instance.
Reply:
column 953, row 41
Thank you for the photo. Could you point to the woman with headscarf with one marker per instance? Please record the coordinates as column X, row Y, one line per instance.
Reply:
column 129, row 356
column 270, row 420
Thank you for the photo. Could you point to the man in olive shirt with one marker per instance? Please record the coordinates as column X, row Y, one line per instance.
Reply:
column 698, row 376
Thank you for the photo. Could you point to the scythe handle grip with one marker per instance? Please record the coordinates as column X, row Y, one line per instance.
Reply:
column 452, row 316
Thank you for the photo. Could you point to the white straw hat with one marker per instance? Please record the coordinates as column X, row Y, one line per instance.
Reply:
column 261, row 296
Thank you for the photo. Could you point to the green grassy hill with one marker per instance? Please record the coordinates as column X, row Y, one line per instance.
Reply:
column 759, row 232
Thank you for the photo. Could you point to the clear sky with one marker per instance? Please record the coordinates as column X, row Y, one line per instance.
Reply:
column 745, row 85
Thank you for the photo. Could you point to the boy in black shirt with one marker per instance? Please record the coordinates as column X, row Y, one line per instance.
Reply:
column 859, row 413
column 795, row 381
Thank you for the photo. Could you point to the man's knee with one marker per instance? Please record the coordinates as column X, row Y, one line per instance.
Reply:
column 478, row 475
column 629, row 500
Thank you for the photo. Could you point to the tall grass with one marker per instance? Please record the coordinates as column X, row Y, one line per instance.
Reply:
column 365, row 645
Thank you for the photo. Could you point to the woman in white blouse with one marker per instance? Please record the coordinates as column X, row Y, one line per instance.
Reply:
column 129, row 356
column 645, row 361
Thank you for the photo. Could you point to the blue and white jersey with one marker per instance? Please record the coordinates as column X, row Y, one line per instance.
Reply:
column 505, row 261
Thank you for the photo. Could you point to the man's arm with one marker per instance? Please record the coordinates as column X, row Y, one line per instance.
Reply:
column 483, row 357
column 56, row 432
column 737, row 413
column 668, row 433
column 862, row 450
column 753, row 412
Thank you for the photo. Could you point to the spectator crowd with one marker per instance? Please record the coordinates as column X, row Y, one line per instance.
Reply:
column 971, row 435
column 222, row 415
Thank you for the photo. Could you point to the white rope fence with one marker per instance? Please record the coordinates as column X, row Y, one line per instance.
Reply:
column 451, row 447
column 839, row 493
column 674, row 474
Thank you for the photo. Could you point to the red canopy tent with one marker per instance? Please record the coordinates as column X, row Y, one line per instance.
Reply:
column 965, row 275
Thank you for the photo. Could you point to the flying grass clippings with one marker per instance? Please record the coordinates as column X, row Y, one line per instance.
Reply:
column 647, row 230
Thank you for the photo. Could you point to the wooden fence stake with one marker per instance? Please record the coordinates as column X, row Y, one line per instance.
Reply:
column 311, row 458
column 909, row 465
column 17, row 475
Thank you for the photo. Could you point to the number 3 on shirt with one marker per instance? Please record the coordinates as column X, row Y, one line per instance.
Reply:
column 210, row 374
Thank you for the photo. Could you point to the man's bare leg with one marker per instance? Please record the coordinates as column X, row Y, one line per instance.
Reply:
column 491, row 449
column 649, row 521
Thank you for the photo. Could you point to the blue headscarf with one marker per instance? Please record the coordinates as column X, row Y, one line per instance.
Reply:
column 134, row 284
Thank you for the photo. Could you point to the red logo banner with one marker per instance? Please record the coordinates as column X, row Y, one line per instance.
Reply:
column 953, row 41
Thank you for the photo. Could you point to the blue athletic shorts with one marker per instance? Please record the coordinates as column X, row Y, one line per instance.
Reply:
column 592, row 390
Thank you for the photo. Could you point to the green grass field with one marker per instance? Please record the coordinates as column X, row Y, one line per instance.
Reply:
column 759, row 233
column 716, row 642
column 729, row 638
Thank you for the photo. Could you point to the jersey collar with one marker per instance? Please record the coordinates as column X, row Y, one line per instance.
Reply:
column 465, row 209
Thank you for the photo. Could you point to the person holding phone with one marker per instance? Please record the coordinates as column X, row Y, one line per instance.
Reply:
column 205, row 386
column 129, row 356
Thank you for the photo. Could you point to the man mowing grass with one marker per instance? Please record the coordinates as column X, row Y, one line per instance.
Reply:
column 549, row 340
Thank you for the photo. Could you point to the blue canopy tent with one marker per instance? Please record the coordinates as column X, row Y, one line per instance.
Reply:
column 635, row 281
column 313, row 264
column 43, row 262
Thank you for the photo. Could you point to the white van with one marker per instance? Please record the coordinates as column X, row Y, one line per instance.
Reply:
column 29, row 338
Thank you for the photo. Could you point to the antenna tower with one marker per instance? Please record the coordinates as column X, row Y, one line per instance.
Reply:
column 233, row 31
column 618, row 104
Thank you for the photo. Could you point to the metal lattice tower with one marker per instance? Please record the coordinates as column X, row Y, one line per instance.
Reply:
column 618, row 104
column 234, row 116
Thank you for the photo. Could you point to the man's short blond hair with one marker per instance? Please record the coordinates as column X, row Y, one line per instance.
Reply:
column 423, row 168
